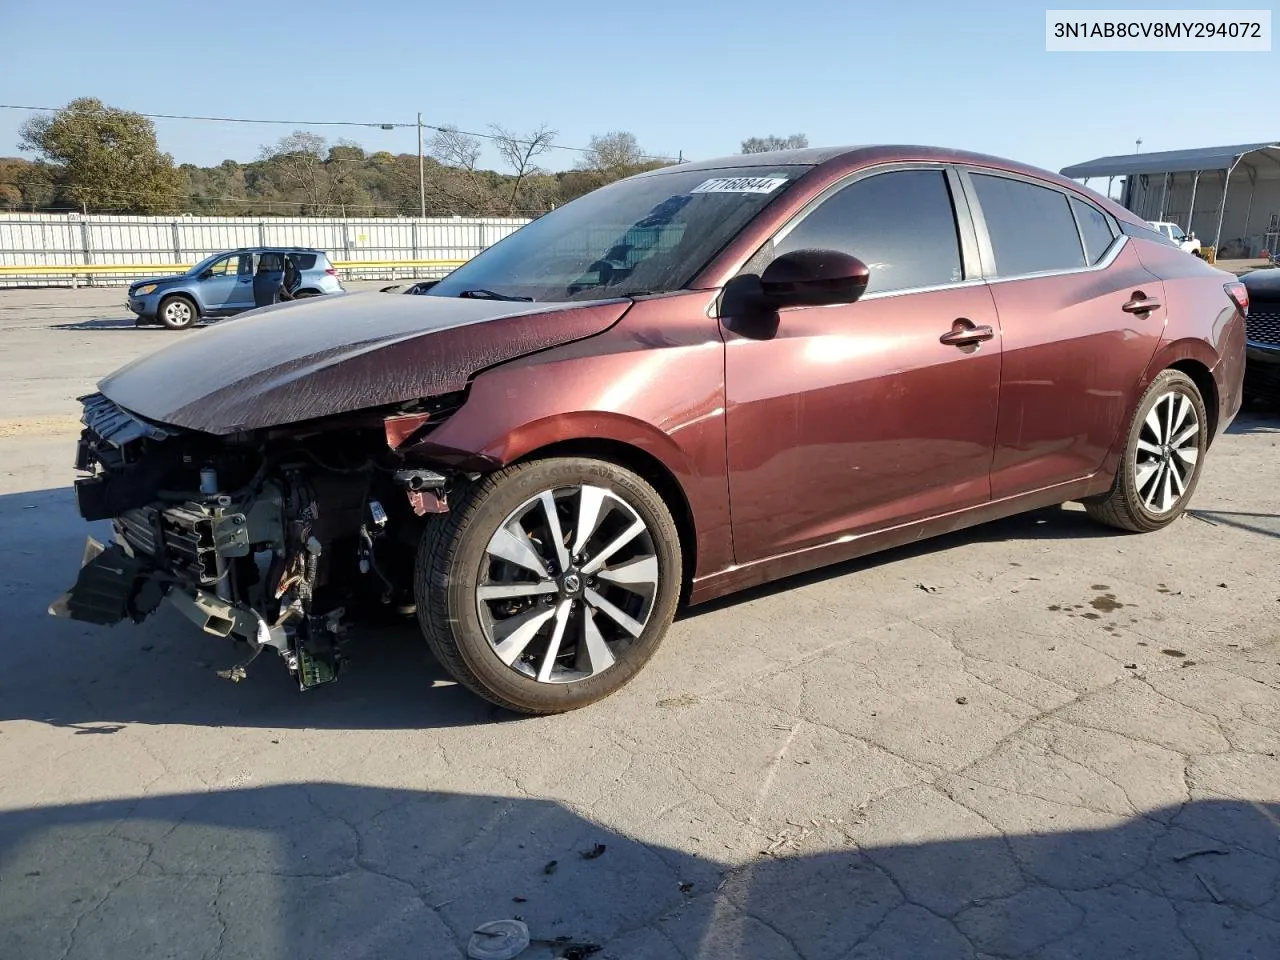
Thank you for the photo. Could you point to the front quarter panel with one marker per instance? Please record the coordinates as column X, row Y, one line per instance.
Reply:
column 654, row 382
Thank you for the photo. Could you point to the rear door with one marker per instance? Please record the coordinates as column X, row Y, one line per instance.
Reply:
column 1080, row 316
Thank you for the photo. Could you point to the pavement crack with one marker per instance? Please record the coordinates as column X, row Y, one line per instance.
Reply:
column 222, row 921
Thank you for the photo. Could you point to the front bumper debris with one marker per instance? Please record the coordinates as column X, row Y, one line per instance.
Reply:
column 113, row 585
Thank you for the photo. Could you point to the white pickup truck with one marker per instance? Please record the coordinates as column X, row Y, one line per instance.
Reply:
column 1174, row 232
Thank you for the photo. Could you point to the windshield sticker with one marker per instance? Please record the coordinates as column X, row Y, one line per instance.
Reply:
column 740, row 185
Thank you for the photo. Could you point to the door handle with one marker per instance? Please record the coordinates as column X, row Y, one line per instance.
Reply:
column 1141, row 304
column 963, row 333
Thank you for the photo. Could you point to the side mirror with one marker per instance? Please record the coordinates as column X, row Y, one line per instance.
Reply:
column 206, row 274
column 814, row 278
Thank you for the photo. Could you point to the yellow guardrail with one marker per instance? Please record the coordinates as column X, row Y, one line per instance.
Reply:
column 166, row 269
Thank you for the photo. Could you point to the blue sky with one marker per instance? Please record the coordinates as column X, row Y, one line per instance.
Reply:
column 682, row 76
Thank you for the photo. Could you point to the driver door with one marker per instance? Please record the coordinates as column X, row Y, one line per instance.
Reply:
column 853, row 418
column 219, row 284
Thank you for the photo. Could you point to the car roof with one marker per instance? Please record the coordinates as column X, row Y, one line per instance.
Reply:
column 275, row 247
column 852, row 157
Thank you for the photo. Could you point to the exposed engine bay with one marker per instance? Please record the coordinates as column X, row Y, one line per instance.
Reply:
column 275, row 538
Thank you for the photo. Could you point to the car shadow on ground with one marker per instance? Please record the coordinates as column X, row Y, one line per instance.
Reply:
column 107, row 324
column 64, row 673
column 1263, row 524
column 1068, row 522
column 1257, row 418
column 320, row 869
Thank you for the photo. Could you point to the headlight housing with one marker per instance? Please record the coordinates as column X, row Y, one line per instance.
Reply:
column 143, row 290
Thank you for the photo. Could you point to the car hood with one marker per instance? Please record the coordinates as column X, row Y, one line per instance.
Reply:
column 324, row 356
column 171, row 278
column 1263, row 284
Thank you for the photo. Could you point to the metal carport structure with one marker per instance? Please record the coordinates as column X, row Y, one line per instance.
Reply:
column 1166, row 185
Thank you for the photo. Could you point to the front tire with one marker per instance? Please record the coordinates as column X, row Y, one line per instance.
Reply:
column 177, row 312
column 1161, row 463
column 550, row 583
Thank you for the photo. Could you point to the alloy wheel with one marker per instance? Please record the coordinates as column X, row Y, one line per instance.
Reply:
column 178, row 312
column 567, row 584
column 1166, row 452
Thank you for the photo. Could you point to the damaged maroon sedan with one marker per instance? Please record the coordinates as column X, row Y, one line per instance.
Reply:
column 683, row 384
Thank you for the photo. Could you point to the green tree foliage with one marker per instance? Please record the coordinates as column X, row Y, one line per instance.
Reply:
column 104, row 159
column 11, row 168
column 303, row 174
column 771, row 142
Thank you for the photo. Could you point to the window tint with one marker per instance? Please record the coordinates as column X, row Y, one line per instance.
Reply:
column 900, row 224
column 1095, row 228
column 303, row 261
column 226, row 267
column 1031, row 228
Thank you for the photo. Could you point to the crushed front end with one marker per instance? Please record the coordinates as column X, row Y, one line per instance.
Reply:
column 272, row 538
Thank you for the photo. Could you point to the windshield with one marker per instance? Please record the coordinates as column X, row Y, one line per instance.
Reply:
column 204, row 264
column 651, row 234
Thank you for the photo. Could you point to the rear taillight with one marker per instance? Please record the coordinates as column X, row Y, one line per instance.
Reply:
column 331, row 272
column 1239, row 295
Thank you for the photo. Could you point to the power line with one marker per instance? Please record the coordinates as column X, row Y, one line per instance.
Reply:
column 337, row 123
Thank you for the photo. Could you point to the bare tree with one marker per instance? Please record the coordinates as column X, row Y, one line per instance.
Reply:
column 518, row 152
column 771, row 142
column 299, row 159
column 454, row 148
column 613, row 151
column 464, row 185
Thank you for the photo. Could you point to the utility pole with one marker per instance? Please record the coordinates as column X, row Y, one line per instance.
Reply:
column 1138, row 146
column 422, row 174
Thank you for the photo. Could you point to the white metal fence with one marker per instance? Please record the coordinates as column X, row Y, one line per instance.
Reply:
column 374, row 248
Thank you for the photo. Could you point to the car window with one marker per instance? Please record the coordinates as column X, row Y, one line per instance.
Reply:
column 226, row 267
column 1095, row 228
column 1175, row 231
column 304, row 261
column 900, row 224
column 1031, row 227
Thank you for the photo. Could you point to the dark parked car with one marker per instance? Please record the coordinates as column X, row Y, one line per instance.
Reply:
column 680, row 385
column 223, row 285
column 1262, row 371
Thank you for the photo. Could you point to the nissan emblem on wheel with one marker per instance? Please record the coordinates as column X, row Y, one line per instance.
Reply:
column 689, row 382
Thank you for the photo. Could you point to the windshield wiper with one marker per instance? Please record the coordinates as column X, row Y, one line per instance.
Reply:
column 490, row 295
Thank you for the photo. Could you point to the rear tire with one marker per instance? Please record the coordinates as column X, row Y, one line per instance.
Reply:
column 307, row 294
column 541, row 641
column 1162, row 458
column 177, row 312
